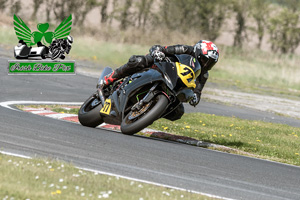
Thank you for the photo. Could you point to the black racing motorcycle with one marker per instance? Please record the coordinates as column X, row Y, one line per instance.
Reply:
column 136, row 101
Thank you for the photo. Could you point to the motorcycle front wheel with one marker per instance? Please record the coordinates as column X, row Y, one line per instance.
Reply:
column 135, row 121
column 55, row 54
column 89, row 112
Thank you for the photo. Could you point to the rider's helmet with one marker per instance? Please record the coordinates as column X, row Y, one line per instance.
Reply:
column 207, row 54
column 69, row 44
column 70, row 40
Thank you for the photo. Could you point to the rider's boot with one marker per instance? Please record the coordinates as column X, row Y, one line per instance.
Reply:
column 115, row 75
column 135, row 63
column 110, row 78
column 121, row 72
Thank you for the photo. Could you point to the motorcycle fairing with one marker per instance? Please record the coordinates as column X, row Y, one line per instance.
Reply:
column 140, row 80
column 106, row 107
column 191, row 62
column 120, row 97
column 166, row 73
column 186, row 74
column 170, row 73
column 106, row 71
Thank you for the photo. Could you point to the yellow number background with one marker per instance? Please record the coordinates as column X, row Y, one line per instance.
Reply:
column 185, row 73
column 106, row 108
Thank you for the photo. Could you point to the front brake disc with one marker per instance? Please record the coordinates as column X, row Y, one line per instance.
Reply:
column 136, row 114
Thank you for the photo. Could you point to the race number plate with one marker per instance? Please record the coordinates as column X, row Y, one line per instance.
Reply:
column 106, row 108
column 186, row 74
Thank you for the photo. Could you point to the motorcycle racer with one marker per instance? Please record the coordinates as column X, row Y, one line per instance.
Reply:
column 64, row 44
column 206, row 52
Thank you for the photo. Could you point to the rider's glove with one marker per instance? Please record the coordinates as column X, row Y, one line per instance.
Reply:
column 196, row 99
column 158, row 55
column 155, row 48
column 156, row 51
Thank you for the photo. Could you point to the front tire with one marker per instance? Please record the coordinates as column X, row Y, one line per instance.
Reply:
column 129, row 127
column 89, row 112
column 55, row 54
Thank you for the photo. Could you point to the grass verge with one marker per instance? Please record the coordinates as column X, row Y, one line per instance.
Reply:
column 22, row 178
column 55, row 108
column 105, row 53
column 257, row 72
column 270, row 141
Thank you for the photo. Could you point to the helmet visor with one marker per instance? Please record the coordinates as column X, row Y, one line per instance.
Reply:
column 207, row 63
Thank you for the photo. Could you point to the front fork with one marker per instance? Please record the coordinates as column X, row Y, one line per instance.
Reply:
column 147, row 98
column 100, row 91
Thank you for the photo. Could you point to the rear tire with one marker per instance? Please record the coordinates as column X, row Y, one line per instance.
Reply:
column 89, row 112
column 129, row 128
column 43, row 54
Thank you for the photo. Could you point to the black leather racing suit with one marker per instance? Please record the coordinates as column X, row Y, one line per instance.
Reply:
column 185, row 49
column 138, row 62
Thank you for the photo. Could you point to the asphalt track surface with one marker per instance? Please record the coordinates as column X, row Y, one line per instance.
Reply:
column 164, row 162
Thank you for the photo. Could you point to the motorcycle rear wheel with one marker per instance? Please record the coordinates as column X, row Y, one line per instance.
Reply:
column 130, row 127
column 89, row 112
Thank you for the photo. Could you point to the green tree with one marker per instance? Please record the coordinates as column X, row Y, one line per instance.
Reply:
column 292, row 5
column 210, row 17
column 284, row 31
column 49, row 6
column 15, row 7
column 36, row 6
column 144, row 7
column 113, row 15
column 240, row 7
column 3, row 5
column 103, row 12
column 165, row 14
column 204, row 16
column 88, row 5
column 124, row 15
column 79, row 8
column 259, row 10
column 60, row 9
